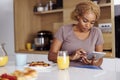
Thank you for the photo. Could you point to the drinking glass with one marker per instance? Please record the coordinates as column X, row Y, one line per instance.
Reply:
column 29, row 46
column 63, row 60
column 21, row 59
column 63, row 75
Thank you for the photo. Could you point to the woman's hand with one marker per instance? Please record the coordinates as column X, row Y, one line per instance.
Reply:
column 84, row 60
column 92, row 61
column 78, row 54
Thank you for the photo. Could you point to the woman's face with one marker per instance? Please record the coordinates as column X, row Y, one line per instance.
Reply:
column 87, row 21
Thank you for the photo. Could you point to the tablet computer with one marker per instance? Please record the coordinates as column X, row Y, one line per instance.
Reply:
column 96, row 54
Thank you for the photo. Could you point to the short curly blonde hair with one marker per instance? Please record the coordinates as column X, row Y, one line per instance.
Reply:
column 83, row 7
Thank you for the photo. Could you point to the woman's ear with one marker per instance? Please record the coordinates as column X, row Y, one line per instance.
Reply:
column 78, row 17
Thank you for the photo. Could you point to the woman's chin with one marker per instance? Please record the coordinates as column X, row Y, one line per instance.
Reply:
column 85, row 31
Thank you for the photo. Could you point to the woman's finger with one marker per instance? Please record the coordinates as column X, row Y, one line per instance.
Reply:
column 75, row 56
column 93, row 59
column 85, row 60
column 81, row 51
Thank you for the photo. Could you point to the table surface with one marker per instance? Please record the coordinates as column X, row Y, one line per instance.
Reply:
column 73, row 73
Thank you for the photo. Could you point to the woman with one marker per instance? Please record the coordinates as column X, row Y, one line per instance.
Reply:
column 81, row 38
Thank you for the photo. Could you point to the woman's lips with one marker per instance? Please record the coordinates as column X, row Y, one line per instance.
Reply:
column 85, row 29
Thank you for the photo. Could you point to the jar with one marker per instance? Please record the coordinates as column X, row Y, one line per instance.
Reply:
column 40, row 8
column 3, row 56
column 50, row 5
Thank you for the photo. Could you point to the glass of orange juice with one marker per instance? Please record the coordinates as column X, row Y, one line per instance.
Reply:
column 63, row 60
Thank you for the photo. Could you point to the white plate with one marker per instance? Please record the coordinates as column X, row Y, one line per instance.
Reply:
column 40, row 68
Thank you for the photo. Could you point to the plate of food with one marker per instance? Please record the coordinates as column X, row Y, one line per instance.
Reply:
column 39, row 65
column 97, row 55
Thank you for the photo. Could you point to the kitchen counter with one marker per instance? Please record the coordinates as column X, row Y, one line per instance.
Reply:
column 73, row 73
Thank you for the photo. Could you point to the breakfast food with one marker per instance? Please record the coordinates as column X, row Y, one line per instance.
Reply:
column 39, row 64
column 26, row 74
column 6, row 76
column 30, row 73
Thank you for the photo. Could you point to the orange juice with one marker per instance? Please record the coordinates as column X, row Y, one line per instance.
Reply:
column 3, row 60
column 63, row 62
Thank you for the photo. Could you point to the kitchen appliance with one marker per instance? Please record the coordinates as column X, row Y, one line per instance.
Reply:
column 43, row 40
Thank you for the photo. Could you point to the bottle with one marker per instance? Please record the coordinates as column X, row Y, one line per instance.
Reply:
column 50, row 5
column 46, row 7
column 3, row 56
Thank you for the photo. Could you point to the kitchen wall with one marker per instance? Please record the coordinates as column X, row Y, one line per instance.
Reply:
column 117, row 10
column 117, row 5
column 117, row 2
column 7, row 25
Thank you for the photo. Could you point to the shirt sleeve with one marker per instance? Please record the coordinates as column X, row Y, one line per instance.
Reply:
column 100, row 39
column 60, row 34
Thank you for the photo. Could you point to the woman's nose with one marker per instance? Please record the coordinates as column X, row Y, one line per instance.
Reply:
column 88, row 24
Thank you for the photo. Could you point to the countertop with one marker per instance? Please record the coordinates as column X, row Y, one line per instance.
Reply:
column 73, row 73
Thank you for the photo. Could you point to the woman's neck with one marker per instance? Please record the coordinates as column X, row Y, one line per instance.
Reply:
column 79, row 34
column 77, row 28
